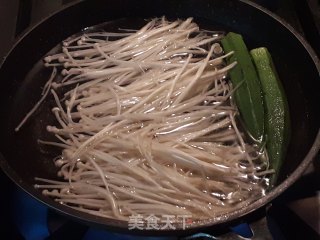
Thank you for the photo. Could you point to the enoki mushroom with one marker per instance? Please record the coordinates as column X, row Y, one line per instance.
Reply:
column 149, row 126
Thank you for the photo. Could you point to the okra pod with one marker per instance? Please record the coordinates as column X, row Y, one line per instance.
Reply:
column 244, row 78
column 277, row 119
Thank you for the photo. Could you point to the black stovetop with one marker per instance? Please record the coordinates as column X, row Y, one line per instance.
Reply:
column 293, row 215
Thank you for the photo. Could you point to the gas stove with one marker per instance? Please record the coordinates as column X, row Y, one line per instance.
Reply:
column 293, row 215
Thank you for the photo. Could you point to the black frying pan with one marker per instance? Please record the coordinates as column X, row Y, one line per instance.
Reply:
column 22, row 77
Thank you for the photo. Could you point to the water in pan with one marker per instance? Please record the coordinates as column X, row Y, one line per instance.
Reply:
column 45, row 117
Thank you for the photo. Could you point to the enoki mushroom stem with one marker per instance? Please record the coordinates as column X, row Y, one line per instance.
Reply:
column 150, row 126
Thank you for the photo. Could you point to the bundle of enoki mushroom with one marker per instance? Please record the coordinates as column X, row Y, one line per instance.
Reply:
column 149, row 127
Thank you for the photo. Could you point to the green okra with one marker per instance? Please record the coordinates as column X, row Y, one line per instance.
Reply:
column 277, row 119
column 244, row 78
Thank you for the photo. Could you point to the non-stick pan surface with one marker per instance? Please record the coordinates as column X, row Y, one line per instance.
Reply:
column 22, row 76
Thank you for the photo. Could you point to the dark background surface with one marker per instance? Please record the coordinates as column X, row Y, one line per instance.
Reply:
column 17, row 15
